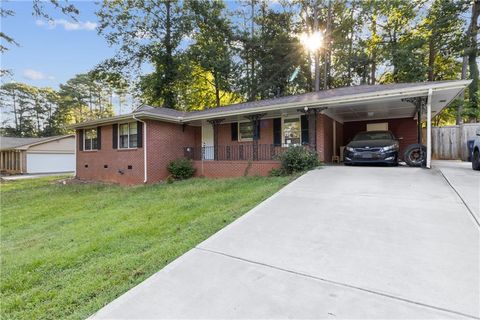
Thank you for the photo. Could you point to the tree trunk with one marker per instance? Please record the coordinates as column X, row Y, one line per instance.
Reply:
column 350, row 44
column 217, row 89
column 326, row 71
column 462, row 96
column 317, row 54
column 15, row 110
column 252, row 54
column 431, row 58
column 373, row 56
column 472, row 57
column 169, row 95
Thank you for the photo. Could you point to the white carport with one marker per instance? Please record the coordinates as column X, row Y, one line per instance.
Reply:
column 420, row 102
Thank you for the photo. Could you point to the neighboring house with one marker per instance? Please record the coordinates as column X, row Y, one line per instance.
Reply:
column 245, row 138
column 37, row 155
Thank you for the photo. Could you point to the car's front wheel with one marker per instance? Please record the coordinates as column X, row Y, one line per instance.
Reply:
column 415, row 155
column 476, row 160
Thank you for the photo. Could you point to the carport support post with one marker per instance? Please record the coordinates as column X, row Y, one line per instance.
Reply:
column 429, row 128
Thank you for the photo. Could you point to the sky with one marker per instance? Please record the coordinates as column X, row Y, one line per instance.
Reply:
column 50, row 53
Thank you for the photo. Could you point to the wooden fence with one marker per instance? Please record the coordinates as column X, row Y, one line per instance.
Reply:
column 450, row 143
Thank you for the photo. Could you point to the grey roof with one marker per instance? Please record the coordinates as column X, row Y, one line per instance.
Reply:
column 306, row 97
column 309, row 99
column 161, row 111
column 7, row 143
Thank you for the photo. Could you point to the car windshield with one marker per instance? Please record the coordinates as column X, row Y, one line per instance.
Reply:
column 373, row 135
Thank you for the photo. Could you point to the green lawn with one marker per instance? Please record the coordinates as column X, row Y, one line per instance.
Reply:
column 67, row 250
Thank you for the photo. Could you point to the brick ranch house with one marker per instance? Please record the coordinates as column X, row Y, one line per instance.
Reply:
column 244, row 138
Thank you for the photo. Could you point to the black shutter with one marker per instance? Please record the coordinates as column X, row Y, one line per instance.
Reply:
column 258, row 129
column 304, row 126
column 99, row 138
column 115, row 136
column 139, row 134
column 234, row 130
column 80, row 139
column 277, row 131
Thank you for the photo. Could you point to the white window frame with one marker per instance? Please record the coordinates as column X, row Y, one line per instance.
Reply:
column 85, row 138
column 283, row 128
column 238, row 132
column 128, row 136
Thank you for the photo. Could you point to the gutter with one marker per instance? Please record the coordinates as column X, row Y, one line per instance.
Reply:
column 144, row 148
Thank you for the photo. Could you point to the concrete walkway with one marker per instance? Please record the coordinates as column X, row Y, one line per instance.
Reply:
column 339, row 242
column 465, row 181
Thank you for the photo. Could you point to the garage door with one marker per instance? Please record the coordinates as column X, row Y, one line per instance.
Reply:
column 50, row 162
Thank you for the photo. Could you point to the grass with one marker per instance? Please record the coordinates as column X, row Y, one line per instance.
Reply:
column 67, row 250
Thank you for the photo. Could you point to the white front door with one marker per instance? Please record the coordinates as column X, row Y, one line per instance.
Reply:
column 207, row 141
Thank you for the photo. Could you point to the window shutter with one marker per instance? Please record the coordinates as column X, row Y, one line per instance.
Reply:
column 277, row 131
column 258, row 129
column 234, row 129
column 99, row 138
column 139, row 134
column 304, row 126
column 115, row 136
column 80, row 139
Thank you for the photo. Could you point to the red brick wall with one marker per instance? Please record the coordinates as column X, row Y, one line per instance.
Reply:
column 115, row 159
column 228, row 169
column 165, row 142
column 405, row 127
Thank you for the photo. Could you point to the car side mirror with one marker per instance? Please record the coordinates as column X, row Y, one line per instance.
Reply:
column 400, row 138
column 477, row 131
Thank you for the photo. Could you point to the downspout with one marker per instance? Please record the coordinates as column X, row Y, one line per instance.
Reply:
column 144, row 148
column 76, row 147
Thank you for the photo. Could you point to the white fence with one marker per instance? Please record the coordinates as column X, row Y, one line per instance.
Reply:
column 450, row 143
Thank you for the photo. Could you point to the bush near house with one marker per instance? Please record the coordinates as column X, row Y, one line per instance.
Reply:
column 181, row 169
column 297, row 159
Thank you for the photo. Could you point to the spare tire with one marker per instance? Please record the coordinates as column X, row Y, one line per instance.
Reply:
column 415, row 155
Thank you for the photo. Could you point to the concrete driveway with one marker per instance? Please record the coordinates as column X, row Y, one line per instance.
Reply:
column 339, row 242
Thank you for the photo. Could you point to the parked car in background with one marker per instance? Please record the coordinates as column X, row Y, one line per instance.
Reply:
column 372, row 147
column 476, row 151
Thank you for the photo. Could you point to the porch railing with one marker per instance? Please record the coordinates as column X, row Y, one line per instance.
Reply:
column 234, row 152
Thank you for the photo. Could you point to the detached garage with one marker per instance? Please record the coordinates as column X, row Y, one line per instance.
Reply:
column 37, row 155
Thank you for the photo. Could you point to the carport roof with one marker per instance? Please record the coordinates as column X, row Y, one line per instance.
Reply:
column 344, row 104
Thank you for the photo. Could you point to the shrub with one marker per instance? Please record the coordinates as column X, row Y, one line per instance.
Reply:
column 298, row 159
column 181, row 169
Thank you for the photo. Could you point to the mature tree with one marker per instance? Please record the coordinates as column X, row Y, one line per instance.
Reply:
column 212, row 45
column 473, row 110
column 83, row 98
column 147, row 32
column 28, row 109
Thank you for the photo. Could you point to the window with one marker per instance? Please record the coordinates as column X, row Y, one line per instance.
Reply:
column 127, row 135
column 245, row 131
column 292, row 131
column 90, row 141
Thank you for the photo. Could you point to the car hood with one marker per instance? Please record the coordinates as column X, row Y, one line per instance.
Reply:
column 371, row 143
